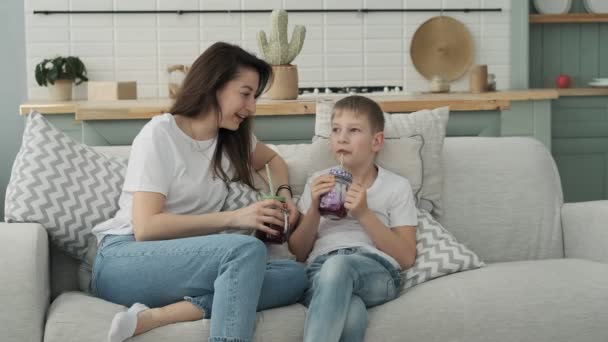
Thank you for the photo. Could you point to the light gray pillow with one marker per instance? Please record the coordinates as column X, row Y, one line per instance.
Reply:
column 431, row 125
column 437, row 253
column 65, row 186
column 428, row 124
column 297, row 157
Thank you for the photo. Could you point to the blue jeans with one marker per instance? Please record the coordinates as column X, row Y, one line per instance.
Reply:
column 343, row 284
column 226, row 275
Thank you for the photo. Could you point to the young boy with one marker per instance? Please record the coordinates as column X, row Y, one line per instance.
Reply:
column 355, row 262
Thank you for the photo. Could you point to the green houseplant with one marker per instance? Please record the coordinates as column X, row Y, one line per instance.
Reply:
column 279, row 52
column 58, row 74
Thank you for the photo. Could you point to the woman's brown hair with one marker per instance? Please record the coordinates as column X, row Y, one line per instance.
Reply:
column 218, row 65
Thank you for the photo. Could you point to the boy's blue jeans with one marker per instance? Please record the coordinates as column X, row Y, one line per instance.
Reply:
column 226, row 275
column 343, row 284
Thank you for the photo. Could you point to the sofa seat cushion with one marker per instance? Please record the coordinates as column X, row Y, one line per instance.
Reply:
column 77, row 317
column 542, row 300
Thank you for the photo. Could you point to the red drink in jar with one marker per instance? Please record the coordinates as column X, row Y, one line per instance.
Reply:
column 282, row 236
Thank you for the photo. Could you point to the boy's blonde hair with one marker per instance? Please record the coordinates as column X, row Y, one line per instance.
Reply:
column 361, row 105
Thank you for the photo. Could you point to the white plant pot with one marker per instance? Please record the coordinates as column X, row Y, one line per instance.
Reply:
column 61, row 90
column 552, row 6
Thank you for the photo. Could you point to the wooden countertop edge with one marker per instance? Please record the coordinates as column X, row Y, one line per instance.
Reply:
column 301, row 108
column 567, row 92
column 145, row 109
column 49, row 107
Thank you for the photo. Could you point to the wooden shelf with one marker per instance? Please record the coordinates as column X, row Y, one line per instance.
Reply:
column 147, row 108
column 583, row 92
column 571, row 18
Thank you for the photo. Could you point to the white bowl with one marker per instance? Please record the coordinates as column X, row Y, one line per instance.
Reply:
column 552, row 6
column 598, row 84
column 596, row 6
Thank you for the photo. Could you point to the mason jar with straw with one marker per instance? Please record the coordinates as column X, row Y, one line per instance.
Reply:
column 282, row 236
column 331, row 205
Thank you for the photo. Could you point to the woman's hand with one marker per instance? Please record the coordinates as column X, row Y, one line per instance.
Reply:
column 258, row 215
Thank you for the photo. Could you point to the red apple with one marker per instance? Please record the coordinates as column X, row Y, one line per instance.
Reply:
column 562, row 81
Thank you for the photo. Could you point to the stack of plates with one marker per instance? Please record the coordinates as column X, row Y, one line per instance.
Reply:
column 599, row 82
column 553, row 6
column 596, row 6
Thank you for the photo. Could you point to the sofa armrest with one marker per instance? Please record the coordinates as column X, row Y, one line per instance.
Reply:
column 585, row 227
column 24, row 279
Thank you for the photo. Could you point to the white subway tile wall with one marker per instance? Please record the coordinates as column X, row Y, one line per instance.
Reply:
column 341, row 49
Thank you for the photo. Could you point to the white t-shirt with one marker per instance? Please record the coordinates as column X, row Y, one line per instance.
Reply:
column 390, row 197
column 166, row 160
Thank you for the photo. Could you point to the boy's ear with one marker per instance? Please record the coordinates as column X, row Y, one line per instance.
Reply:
column 378, row 141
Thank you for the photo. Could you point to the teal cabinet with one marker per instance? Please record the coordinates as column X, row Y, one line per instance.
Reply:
column 524, row 118
column 580, row 146
column 284, row 129
column 520, row 120
column 579, row 125
column 67, row 124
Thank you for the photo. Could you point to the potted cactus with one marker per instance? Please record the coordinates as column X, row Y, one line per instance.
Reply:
column 279, row 53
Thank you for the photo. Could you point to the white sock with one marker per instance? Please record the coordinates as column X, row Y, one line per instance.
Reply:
column 124, row 323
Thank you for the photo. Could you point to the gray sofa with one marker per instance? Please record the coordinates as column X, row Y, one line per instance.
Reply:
column 546, row 279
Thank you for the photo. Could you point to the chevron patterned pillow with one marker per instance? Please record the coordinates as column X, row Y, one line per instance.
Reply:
column 438, row 253
column 239, row 196
column 65, row 186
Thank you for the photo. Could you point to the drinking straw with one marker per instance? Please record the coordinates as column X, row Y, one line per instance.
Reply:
column 269, row 180
column 342, row 160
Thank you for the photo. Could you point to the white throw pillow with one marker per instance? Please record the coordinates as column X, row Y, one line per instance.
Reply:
column 65, row 186
column 297, row 157
column 401, row 156
column 429, row 124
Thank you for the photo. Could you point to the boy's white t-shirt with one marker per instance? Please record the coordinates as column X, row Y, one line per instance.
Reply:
column 164, row 159
column 390, row 197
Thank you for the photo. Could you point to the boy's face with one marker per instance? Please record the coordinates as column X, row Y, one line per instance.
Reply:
column 352, row 137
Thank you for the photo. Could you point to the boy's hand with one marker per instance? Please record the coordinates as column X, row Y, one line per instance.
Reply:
column 320, row 186
column 356, row 200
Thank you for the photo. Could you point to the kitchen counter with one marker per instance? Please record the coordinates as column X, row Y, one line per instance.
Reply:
column 305, row 104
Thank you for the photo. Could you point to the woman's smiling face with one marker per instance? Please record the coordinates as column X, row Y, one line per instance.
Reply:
column 237, row 99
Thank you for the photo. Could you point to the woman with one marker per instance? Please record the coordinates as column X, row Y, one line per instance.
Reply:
column 162, row 249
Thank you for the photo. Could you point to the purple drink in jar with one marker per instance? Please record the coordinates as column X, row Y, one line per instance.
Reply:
column 331, row 205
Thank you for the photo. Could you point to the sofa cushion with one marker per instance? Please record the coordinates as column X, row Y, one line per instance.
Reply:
column 401, row 156
column 66, row 186
column 542, row 300
column 76, row 317
column 437, row 253
column 297, row 157
column 503, row 198
column 429, row 124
